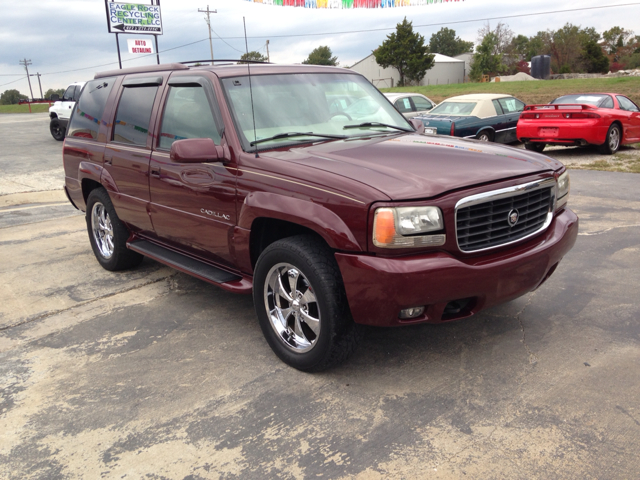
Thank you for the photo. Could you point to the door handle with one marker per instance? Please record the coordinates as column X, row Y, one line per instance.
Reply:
column 155, row 172
column 108, row 158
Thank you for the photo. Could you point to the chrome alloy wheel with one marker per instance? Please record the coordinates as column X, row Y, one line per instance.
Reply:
column 614, row 139
column 292, row 307
column 102, row 229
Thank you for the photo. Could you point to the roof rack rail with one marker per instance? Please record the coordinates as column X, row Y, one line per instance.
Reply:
column 226, row 60
column 146, row 69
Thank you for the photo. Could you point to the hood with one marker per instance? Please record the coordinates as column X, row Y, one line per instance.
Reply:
column 413, row 166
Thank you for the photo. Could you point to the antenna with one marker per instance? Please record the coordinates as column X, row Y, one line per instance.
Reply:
column 253, row 113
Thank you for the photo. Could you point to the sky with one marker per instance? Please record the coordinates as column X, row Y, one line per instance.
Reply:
column 68, row 40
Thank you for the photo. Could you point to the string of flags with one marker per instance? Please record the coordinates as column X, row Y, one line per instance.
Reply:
column 351, row 3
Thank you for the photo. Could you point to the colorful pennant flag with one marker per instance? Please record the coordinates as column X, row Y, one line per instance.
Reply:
column 351, row 3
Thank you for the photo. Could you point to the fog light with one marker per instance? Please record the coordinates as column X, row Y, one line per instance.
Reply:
column 411, row 312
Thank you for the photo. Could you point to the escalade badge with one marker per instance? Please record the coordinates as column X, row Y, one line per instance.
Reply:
column 513, row 217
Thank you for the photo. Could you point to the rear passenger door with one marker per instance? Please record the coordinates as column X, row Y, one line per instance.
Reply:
column 192, row 204
column 128, row 151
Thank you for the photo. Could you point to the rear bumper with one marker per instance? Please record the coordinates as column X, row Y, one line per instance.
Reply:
column 378, row 288
column 575, row 134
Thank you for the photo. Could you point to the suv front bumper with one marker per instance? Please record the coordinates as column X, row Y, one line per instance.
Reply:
column 378, row 288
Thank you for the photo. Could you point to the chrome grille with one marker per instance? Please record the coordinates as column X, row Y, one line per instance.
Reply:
column 482, row 221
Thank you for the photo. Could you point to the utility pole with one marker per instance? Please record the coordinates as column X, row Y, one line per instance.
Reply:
column 39, row 84
column 269, row 61
column 208, row 20
column 25, row 63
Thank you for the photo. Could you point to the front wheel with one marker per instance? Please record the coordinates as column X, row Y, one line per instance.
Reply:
column 535, row 147
column 56, row 129
column 107, row 234
column 301, row 304
column 612, row 144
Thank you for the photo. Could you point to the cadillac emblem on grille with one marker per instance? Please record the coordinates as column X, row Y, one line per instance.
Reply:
column 513, row 217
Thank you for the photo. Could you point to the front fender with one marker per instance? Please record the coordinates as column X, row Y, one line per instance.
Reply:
column 302, row 212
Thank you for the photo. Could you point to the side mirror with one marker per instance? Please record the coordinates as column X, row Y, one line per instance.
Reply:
column 55, row 97
column 417, row 125
column 194, row 150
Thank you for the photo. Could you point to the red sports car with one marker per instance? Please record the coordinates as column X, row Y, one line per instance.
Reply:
column 605, row 119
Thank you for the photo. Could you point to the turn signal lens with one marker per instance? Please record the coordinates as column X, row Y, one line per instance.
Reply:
column 384, row 226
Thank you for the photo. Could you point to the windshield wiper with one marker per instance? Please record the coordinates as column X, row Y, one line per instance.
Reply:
column 297, row 134
column 377, row 124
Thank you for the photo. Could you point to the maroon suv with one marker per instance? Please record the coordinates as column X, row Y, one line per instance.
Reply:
column 305, row 186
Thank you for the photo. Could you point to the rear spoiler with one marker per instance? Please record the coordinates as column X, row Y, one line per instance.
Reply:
column 562, row 106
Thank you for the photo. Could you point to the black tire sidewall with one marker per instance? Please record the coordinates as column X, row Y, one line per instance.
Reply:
column 57, row 131
column 328, row 294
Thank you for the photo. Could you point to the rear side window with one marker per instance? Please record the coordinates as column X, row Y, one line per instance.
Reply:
column 187, row 114
column 607, row 103
column 133, row 115
column 403, row 105
column 421, row 103
column 511, row 105
column 87, row 114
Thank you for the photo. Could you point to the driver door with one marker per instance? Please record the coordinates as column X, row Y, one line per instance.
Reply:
column 192, row 204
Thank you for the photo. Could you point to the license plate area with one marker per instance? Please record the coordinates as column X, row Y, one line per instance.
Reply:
column 430, row 131
column 548, row 131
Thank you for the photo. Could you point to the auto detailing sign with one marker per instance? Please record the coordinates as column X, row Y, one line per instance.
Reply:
column 140, row 46
column 134, row 18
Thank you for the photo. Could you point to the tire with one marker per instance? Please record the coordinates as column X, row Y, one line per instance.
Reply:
column 612, row 143
column 107, row 234
column 485, row 136
column 535, row 147
column 310, row 329
column 57, row 131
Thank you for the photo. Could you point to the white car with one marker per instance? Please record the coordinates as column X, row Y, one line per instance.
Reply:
column 410, row 104
column 61, row 110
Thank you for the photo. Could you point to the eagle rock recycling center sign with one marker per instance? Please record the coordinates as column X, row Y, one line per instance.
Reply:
column 134, row 18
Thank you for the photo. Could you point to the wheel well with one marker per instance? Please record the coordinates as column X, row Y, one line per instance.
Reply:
column 265, row 231
column 487, row 130
column 87, row 186
column 53, row 115
column 616, row 122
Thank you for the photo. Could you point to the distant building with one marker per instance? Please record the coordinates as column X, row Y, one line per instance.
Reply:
column 445, row 70
column 467, row 58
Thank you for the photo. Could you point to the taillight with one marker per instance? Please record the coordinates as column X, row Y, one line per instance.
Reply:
column 453, row 128
column 529, row 116
column 581, row 115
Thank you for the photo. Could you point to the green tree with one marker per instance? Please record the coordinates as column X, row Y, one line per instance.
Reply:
column 321, row 56
column 405, row 51
column 594, row 59
column 11, row 97
column 445, row 42
column 485, row 61
column 51, row 91
column 615, row 38
column 253, row 56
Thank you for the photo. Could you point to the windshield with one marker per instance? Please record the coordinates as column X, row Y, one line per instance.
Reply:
column 590, row 99
column 454, row 108
column 313, row 103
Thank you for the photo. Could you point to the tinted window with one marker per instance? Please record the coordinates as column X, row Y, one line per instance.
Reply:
column 497, row 106
column 87, row 114
column 133, row 115
column 187, row 114
column 607, row 103
column 626, row 104
column 68, row 94
column 404, row 105
column 455, row 108
column 511, row 105
column 422, row 103
column 76, row 93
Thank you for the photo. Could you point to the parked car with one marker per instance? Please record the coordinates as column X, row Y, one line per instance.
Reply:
column 254, row 185
column 61, row 110
column 486, row 117
column 410, row 104
column 604, row 119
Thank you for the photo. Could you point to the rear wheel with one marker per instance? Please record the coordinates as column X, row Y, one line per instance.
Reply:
column 56, row 129
column 535, row 147
column 107, row 234
column 612, row 144
column 301, row 304
column 485, row 136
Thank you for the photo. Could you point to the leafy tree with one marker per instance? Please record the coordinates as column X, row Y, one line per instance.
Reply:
column 594, row 59
column 51, row 91
column 321, row 56
column 538, row 45
column 503, row 37
column 11, row 97
column 615, row 38
column 445, row 42
column 405, row 51
column 566, row 46
column 486, row 61
column 253, row 56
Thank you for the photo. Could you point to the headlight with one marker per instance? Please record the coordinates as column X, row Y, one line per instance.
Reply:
column 404, row 227
column 562, row 190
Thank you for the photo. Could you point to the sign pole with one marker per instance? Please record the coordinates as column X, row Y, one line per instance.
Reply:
column 156, row 37
column 118, row 47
